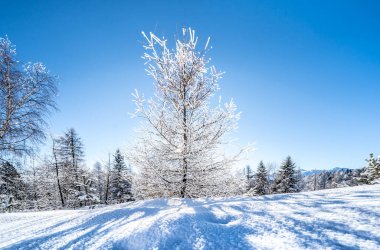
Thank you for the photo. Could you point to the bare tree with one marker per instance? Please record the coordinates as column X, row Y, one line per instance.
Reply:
column 179, row 151
column 26, row 96
column 272, row 174
column 100, row 179
column 69, row 148
column 249, row 177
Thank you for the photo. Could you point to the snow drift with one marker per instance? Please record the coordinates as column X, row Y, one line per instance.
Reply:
column 346, row 218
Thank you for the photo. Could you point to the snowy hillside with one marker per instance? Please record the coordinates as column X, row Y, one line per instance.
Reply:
column 346, row 218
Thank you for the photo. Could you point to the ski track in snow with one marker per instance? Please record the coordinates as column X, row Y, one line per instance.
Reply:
column 345, row 218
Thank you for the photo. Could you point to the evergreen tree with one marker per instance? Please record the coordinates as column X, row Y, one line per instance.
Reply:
column 286, row 180
column 12, row 187
column 261, row 180
column 121, row 186
column 373, row 169
column 86, row 194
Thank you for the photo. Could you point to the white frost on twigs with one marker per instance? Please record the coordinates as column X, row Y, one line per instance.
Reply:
column 179, row 148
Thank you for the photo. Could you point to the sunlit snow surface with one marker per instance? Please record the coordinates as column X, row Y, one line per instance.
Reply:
column 346, row 218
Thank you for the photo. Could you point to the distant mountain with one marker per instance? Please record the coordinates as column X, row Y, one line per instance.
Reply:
column 333, row 178
column 341, row 169
column 310, row 172
column 318, row 171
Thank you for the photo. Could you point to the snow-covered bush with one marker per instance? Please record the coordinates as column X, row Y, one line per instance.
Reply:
column 6, row 203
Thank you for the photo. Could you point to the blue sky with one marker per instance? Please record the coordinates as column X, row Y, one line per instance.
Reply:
column 304, row 74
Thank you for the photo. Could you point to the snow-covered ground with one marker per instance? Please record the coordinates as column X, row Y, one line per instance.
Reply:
column 346, row 218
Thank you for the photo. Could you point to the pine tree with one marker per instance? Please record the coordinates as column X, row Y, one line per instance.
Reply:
column 121, row 182
column 373, row 169
column 86, row 194
column 12, row 187
column 286, row 180
column 261, row 180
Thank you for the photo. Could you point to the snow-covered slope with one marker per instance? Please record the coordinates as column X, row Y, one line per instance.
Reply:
column 346, row 218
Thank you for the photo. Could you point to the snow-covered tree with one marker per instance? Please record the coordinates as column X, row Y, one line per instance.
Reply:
column 71, row 156
column 249, row 177
column 41, row 186
column 322, row 179
column 70, row 150
column 271, row 168
column 179, row 150
column 57, row 165
column 121, row 180
column 372, row 172
column 261, row 180
column 12, row 187
column 299, row 180
column 108, row 172
column 27, row 94
column 100, row 180
column 375, row 169
column 86, row 193
column 286, row 179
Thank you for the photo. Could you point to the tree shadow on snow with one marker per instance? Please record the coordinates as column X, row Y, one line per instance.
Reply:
column 97, row 226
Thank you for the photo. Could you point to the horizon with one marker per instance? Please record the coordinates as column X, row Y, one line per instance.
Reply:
column 307, row 87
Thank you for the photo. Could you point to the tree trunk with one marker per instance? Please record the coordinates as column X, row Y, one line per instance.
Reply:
column 184, row 152
column 108, row 180
column 6, row 122
column 57, row 175
column 74, row 162
column 85, row 189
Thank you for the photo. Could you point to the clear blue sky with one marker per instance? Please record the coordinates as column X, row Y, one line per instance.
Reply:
column 305, row 74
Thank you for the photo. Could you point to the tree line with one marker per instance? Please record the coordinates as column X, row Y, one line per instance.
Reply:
column 61, row 179
column 288, row 179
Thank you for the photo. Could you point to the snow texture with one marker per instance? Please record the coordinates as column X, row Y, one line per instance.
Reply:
column 345, row 218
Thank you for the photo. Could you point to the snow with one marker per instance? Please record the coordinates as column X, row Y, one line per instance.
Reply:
column 345, row 218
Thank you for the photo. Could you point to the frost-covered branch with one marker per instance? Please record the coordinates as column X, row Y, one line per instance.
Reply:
column 179, row 149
